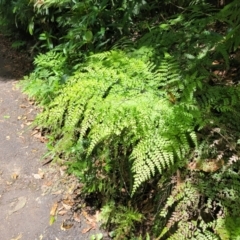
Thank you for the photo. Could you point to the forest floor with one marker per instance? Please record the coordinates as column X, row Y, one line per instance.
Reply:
column 37, row 201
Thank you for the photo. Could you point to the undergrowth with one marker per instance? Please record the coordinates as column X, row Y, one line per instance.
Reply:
column 49, row 76
column 151, row 126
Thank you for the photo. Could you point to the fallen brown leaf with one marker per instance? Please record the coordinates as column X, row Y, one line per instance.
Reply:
column 89, row 219
column 69, row 202
column 41, row 173
column 43, row 140
column 67, row 207
column 66, row 225
column 76, row 217
column 37, row 134
column 62, row 212
column 35, row 131
column 23, row 106
column 93, row 225
column 14, row 176
column 85, row 230
column 54, row 209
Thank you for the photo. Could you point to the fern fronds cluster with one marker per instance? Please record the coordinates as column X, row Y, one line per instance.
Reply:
column 115, row 101
column 127, row 121
column 50, row 74
column 212, row 206
column 124, row 217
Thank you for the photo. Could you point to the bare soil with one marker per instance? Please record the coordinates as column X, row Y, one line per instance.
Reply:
column 36, row 201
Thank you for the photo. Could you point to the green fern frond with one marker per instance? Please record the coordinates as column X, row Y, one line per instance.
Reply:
column 118, row 97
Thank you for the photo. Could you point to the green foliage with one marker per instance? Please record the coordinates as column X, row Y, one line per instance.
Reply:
column 8, row 10
column 228, row 228
column 123, row 217
column 18, row 44
column 211, row 205
column 115, row 101
column 151, row 129
column 229, row 15
column 50, row 73
column 98, row 236
column 84, row 25
column 76, row 24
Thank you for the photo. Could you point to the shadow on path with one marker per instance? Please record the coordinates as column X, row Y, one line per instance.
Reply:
column 14, row 65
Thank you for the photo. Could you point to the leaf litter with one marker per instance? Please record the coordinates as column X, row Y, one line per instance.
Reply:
column 69, row 188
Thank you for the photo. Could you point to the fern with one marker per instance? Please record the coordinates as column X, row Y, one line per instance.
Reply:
column 219, row 200
column 133, row 119
column 124, row 217
column 46, row 80
column 109, row 99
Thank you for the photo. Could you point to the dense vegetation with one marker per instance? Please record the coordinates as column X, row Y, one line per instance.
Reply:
column 141, row 101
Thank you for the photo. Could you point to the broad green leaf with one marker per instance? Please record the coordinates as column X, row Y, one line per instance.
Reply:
column 88, row 36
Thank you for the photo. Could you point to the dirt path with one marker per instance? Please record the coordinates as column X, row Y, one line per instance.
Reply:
column 31, row 195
